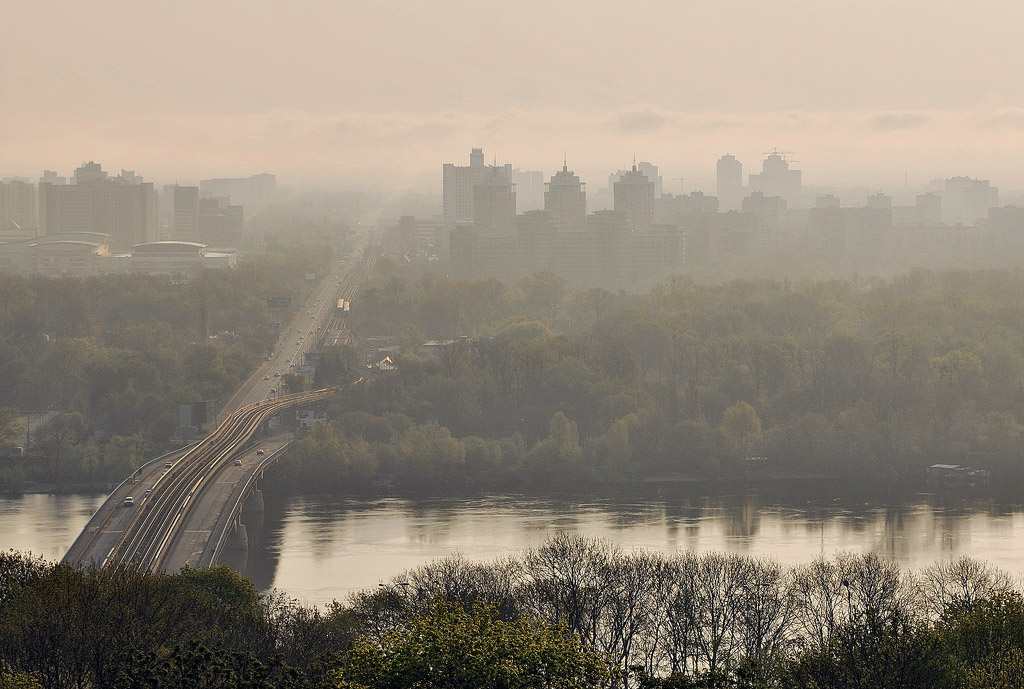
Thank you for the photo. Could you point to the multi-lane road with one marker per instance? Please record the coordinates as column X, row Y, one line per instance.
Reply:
column 314, row 324
column 181, row 504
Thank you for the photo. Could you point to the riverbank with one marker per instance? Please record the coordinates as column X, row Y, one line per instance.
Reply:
column 60, row 488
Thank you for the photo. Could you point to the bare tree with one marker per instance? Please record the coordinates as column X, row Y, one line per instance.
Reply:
column 765, row 612
column 569, row 581
column 952, row 585
column 819, row 601
column 719, row 582
column 630, row 616
column 453, row 352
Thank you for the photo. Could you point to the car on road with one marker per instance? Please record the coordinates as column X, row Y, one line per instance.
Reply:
column 149, row 491
column 237, row 462
column 277, row 375
column 129, row 501
column 168, row 465
column 266, row 377
column 260, row 451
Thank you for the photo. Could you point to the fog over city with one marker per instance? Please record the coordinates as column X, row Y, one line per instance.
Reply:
column 378, row 93
column 403, row 344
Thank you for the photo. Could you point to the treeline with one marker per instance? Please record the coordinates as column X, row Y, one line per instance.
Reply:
column 841, row 378
column 114, row 356
column 573, row 612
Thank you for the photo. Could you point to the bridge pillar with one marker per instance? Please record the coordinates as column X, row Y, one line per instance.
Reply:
column 236, row 549
column 238, row 541
column 254, row 503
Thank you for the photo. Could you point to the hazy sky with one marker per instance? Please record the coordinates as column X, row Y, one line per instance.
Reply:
column 863, row 92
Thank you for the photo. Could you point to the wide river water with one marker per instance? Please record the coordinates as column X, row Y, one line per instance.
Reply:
column 317, row 549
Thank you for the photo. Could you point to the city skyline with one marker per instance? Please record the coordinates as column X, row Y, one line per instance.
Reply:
column 698, row 179
column 342, row 95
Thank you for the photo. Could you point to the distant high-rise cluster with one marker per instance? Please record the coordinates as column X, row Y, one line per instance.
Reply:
column 123, row 207
column 103, row 223
column 648, row 234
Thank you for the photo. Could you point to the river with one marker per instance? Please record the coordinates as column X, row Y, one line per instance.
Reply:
column 317, row 549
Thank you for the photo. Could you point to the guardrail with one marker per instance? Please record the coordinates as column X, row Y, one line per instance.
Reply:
column 236, row 509
column 85, row 530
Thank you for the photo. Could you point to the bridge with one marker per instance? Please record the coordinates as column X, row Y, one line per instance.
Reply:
column 182, row 491
column 186, row 506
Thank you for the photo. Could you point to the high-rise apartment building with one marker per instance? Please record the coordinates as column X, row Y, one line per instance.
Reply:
column 879, row 200
column 650, row 171
column 929, row 209
column 459, row 182
column 97, row 203
column 529, row 190
column 494, row 203
column 538, row 237
column 18, row 204
column 730, row 183
column 220, row 224
column 90, row 172
column 633, row 196
column 965, row 201
column 776, row 179
column 566, row 199
column 253, row 193
column 182, row 212
column 51, row 177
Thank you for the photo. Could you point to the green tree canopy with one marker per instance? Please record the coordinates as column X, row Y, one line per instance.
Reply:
column 450, row 648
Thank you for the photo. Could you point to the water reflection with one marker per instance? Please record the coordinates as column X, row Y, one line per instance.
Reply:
column 44, row 524
column 319, row 549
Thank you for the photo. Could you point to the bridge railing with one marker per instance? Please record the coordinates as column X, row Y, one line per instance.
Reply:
column 86, row 531
column 243, row 495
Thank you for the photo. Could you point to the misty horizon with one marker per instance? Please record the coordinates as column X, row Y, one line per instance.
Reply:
column 899, row 184
column 380, row 96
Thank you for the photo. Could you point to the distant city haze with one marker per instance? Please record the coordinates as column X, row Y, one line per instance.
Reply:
column 378, row 94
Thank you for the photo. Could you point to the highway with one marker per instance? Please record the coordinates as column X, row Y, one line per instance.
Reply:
column 314, row 325
column 184, row 501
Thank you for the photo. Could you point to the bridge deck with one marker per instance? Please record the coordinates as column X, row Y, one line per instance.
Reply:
column 307, row 331
column 211, row 514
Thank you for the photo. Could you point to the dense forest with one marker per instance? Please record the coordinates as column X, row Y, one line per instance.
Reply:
column 112, row 358
column 526, row 383
column 572, row 612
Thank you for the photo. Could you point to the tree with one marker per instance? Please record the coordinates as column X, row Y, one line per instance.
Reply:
column 741, row 430
column 58, row 438
column 450, row 648
column 874, row 652
column 559, row 451
column 983, row 644
column 17, row 680
column 8, row 425
column 956, row 585
column 543, row 292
